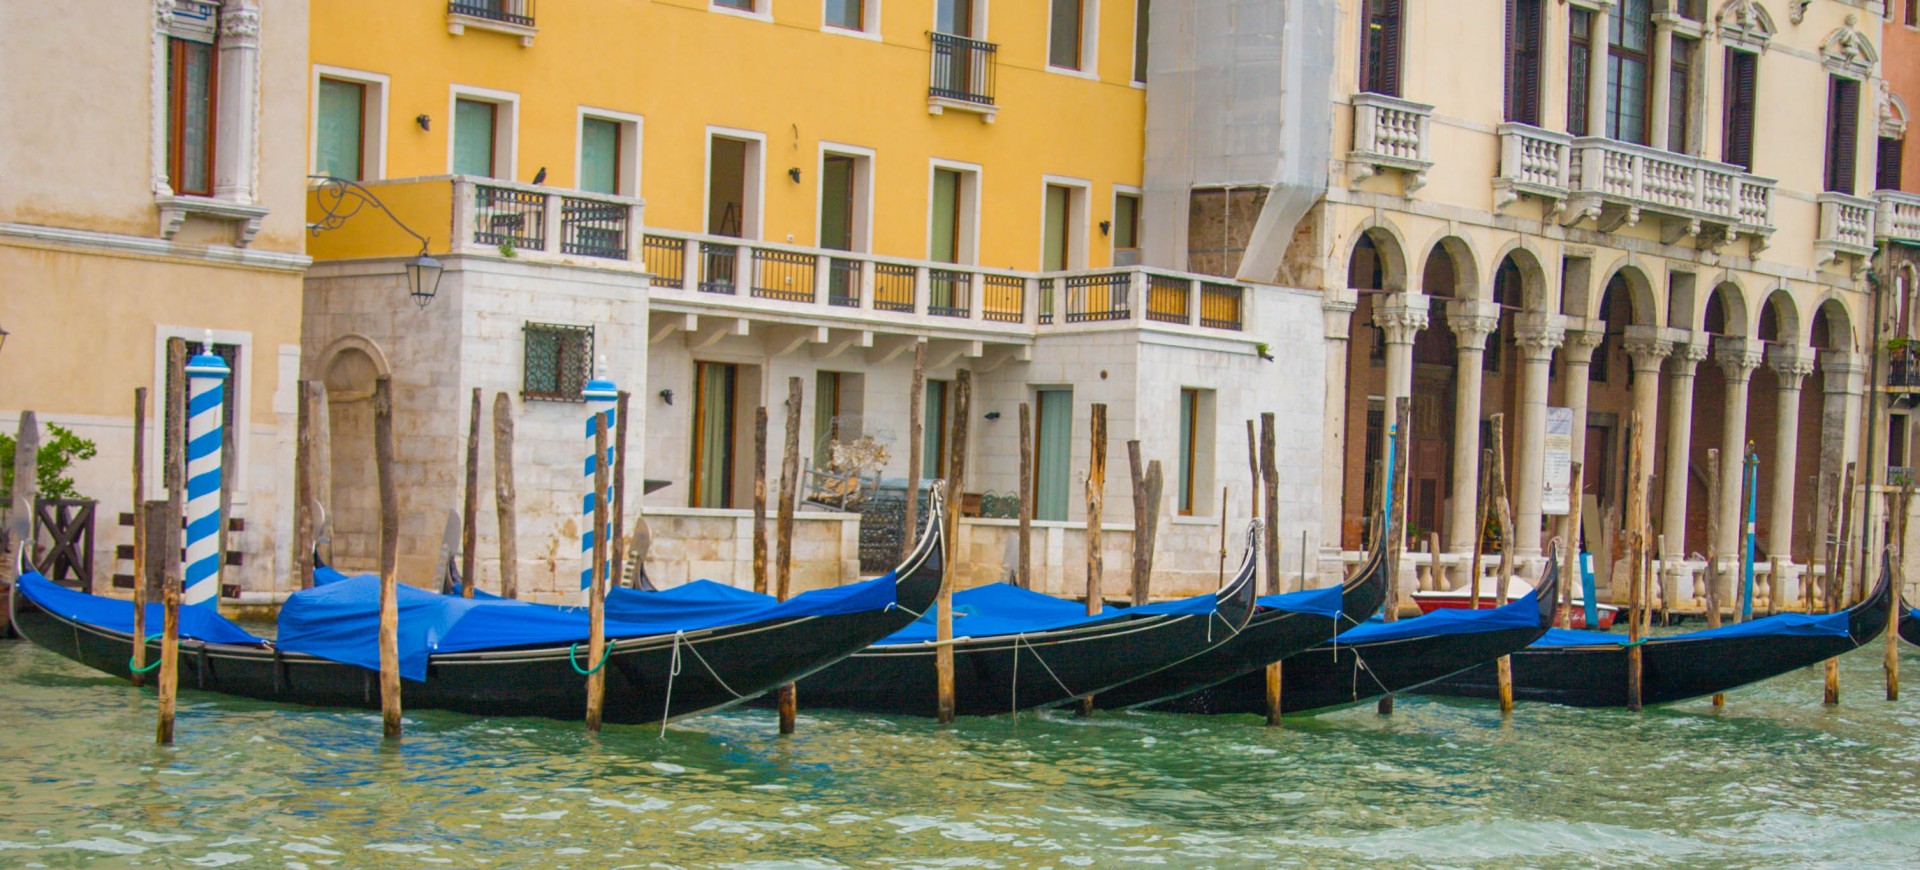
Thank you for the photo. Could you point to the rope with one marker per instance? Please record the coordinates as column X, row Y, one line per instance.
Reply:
column 1019, row 639
column 895, row 605
column 156, row 661
column 1630, row 644
column 673, row 670
column 588, row 672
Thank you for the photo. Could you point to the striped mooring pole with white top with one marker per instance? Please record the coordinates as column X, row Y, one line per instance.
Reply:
column 601, row 396
column 206, row 393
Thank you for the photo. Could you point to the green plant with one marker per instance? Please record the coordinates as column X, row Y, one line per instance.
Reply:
column 506, row 249
column 61, row 450
column 1898, row 344
column 1264, row 350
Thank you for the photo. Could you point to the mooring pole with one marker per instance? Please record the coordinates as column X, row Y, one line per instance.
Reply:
column 1636, row 522
column 1903, row 502
column 1023, row 573
column 1571, row 555
column 389, row 557
column 503, row 495
column 176, row 477
column 1270, row 496
column 1096, row 499
column 916, row 448
column 760, row 500
column 1836, row 572
column 956, row 487
column 617, row 509
column 783, row 529
column 1503, row 506
column 138, row 665
column 596, row 593
column 470, row 503
column 1396, row 525
column 1752, row 464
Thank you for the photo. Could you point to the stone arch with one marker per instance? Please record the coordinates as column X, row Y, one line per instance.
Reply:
column 348, row 366
column 1463, row 263
column 1779, row 318
column 1388, row 246
column 1833, row 326
column 1725, row 311
column 1626, row 278
column 1536, row 292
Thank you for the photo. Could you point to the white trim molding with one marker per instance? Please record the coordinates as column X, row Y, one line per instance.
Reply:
column 632, row 130
column 373, row 119
column 506, row 132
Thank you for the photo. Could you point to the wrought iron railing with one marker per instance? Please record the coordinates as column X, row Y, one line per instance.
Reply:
column 558, row 361
column 593, row 228
column 666, row 261
column 963, row 69
column 1046, row 301
column 1222, row 306
column 508, row 217
column 843, row 282
column 892, row 287
column 1101, row 296
column 1003, row 298
column 509, row 11
column 784, row 275
column 1903, row 368
column 1167, row 299
column 948, row 291
column 719, row 266
column 1899, row 475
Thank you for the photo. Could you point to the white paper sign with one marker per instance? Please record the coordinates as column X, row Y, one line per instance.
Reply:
column 1555, row 500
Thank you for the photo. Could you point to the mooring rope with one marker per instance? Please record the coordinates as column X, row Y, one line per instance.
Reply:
column 895, row 605
column 156, row 660
column 1019, row 639
column 588, row 672
column 673, row 671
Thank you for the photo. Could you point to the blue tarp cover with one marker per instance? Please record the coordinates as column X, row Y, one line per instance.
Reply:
column 998, row 609
column 1778, row 625
column 1319, row 602
column 340, row 620
column 113, row 614
column 1522, row 613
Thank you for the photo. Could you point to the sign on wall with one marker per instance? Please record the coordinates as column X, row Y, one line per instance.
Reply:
column 1555, row 500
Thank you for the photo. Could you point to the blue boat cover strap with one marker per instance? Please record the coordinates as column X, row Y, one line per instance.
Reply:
column 1318, row 602
column 1523, row 613
column 1778, row 625
column 197, row 623
column 340, row 620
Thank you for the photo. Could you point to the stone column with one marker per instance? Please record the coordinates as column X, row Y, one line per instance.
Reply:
column 1597, row 40
column 1472, row 322
column 1336, row 308
column 237, row 103
column 1738, row 358
column 1538, row 336
column 1689, row 348
column 1845, row 379
column 1401, row 316
column 1660, row 87
column 1648, row 347
column 1792, row 364
column 1583, row 337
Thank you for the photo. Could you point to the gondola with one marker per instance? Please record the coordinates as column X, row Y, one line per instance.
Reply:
column 1909, row 623
column 656, row 673
column 1017, row 670
column 1589, row 669
column 1381, row 658
column 1281, row 626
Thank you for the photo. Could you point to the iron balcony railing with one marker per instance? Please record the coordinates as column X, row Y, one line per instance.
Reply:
column 1903, row 368
column 509, row 11
column 963, row 69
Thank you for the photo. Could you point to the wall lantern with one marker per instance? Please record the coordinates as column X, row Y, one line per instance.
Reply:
column 340, row 199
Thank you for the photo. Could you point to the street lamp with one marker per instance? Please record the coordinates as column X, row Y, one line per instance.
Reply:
column 3, row 338
column 340, row 199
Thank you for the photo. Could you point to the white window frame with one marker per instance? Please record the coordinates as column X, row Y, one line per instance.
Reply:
column 971, row 182
column 373, row 120
column 506, row 131
column 1133, row 59
column 1089, row 43
column 631, row 128
column 1079, row 214
column 240, row 484
column 762, row 10
column 1113, row 213
column 869, row 22
column 753, row 185
column 862, row 192
column 979, row 20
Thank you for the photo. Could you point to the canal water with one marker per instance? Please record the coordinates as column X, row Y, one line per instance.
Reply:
column 1774, row 779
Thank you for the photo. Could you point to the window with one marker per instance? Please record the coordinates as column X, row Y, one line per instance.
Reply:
column 192, row 70
column 954, row 17
column 1190, row 437
column 1913, row 13
column 733, row 186
column 843, row 201
column 1053, row 454
column 1743, row 69
column 1628, row 44
column 342, row 133
column 933, row 446
column 475, row 132
column 1380, row 48
column 846, row 14
column 950, row 216
column 826, row 416
column 1843, row 133
column 1064, row 40
column 1126, row 229
column 1140, row 16
column 1056, row 230
column 559, row 361
column 713, row 434
column 1523, row 61
column 1892, row 151
column 742, row 5
column 1680, row 95
column 600, row 151
column 1579, row 70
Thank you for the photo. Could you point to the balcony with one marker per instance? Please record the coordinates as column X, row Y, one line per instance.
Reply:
column 1618, row 183
column 490, row 217
column 1903, row 369
column 1533, row 162
column 962, row 75
column 512, row 17
column 717, row 275
column 1846, row 229
column 1390, row 134
column 1897, row 216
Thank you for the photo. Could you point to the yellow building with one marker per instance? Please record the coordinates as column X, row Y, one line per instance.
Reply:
column 152, row 165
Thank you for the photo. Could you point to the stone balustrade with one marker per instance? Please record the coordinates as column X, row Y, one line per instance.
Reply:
column 1391, row 133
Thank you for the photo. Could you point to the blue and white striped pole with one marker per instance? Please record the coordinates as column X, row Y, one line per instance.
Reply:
column 601, row 396
column 206, row 393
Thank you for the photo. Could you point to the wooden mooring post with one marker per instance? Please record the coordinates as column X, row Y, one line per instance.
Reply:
column 389, row 557
column 1023, row 571
column 956, row 488
column 760, row 499
column 1503, row 509
column 1836, row 580
column 1901, row 502
column 1480, row 528
column 1713, row 550
column 916, row 450
column 138, row 664
column 1570, row 556
column 470, row 501
column 175, row 453
column 1146, row 518
column 1396, row 525
column 1096, row 500
column 1270, row 501
column 618, row 509
column 597, row 596
column 1636, row 547
column 783, row 530
column 503, row 495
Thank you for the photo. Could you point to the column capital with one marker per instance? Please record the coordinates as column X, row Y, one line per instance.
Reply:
column 1648, row 346
column 1845, row 370
column 1791, row 362
column 1401, row 317
column 1472, row 322
column 1689, row 348
column 1539, row 334
column 1584, row 336
column 1738, row 357
column 1340, row 299
column 1336, row 313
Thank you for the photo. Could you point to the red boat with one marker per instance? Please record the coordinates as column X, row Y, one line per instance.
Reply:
column 1462, row 598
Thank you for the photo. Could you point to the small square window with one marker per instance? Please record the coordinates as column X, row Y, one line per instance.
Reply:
column 559, row 361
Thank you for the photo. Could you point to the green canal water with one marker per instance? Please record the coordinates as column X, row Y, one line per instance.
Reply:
column 1774, row 779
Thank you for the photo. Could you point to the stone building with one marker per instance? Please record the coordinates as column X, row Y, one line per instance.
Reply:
column 152, row 166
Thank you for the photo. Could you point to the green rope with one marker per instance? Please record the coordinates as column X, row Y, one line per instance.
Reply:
column 1630, row 644
column 156, row 661
column 572, row 660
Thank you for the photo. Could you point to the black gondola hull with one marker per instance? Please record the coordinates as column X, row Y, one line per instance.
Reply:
column 1909, row 626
